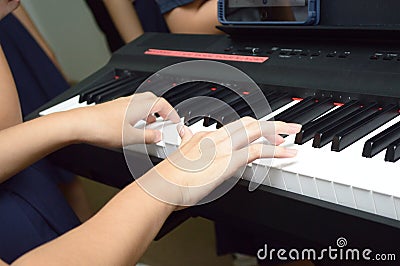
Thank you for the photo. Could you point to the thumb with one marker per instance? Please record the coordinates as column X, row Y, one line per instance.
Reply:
column 185, row 133
column 133, row 135
column 152, row 136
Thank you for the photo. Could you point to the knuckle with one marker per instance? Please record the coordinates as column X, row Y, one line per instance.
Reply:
column 247, row 119
column 254, row 150
column 279, row 125
column 149, row 94
column 161, row 100
column 202, row 134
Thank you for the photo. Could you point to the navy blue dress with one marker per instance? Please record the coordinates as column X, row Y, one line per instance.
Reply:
column 32, row 208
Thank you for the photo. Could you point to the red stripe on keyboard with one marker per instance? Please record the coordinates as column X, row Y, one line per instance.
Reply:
column 210, row 56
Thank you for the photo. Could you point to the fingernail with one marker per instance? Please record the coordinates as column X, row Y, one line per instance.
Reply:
column 295, row 127
column 181, row 130
column 291, row 152
column 157, row 137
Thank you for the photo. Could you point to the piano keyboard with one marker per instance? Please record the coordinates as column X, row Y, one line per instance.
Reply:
column 347, row 151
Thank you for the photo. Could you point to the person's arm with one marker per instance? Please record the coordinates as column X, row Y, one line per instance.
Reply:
column 125, row 18
column 122, row 230
column 10, row 110
column 117, row 235
column 200, row 17
column 7, row 6
column 101, row 125
column 22, row 15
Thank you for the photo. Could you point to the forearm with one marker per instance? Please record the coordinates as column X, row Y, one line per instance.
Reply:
column 125, row 18
column 28, row 142
column 117, row 235
column 197, row 17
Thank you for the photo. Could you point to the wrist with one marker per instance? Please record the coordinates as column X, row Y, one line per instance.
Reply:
column 161, row 190
column 165, row 208
column 70, row 126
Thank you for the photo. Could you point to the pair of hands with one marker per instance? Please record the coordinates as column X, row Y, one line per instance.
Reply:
column 8, row 6
column 203, row 161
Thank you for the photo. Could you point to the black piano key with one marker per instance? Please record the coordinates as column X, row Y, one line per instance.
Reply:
column 129, row 90
column 274, row 95
column 105, row 96
column 220, row 94
column 358, row 130
column 201, row 89
column 268, row 93
column 278, row 100
column 192, row 121
column 89, row 95
column 124, row 90
column 208, row 121
column 235, row 103
column 177, row 89
column 187, row 91
column 381, row 141
column 310, row 113
column 302, row 105
column 308, row 130
column 83, row 96
column 393, row 151
column 243, row 109
column 172, row 94
column 325, row 135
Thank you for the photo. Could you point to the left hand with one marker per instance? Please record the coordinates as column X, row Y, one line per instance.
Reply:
column 106, row 124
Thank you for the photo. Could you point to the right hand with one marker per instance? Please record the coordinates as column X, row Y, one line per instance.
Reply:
column 8, row 6
column 206, row 159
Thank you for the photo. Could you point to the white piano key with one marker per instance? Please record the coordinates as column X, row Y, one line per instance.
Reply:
column 325, row 190
column 363, row 199
column 396, row 201
column 259, row 175
column 63, row 106
column 292, row 182
column 384, row 205
column 308, row 186
column 198, row 126
column 276, row 178
column 344, row 195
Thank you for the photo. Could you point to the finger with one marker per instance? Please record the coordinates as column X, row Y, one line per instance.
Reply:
column 185, row 133
column 152, row 136
column 269, row 129
column 134, row 135
column 260, row 150
column 237, row 132
column 165, row 110
column 151, row 119
column 226, row 132
column 275, row 139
